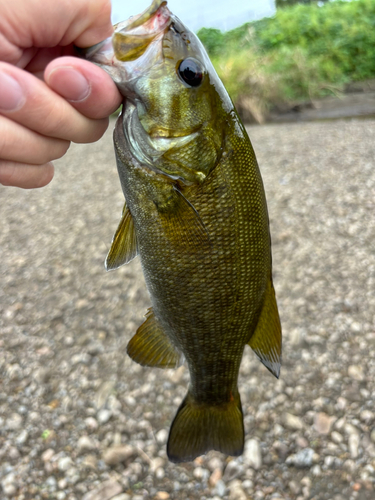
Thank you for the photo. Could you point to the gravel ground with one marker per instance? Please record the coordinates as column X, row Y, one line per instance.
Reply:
column 79, row 420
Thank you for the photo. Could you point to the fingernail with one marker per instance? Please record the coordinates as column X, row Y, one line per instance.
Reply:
column 11, row 93
column 69, row 83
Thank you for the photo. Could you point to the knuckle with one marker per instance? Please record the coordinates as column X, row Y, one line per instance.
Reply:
column 48, row 150
column 97, row 130
column 61, row 149
column 44, row 177
column 8, row 175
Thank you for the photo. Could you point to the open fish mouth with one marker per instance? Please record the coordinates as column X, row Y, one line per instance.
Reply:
column 132, row 37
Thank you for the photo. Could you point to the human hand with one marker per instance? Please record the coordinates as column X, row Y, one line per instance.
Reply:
column 39, row 118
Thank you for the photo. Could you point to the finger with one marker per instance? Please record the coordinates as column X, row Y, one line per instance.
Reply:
column 38, row 63
column 25, row 176
column 32, row 23
column 30, row 102
column 67, row 76
column 91, row 25
column 21, row 144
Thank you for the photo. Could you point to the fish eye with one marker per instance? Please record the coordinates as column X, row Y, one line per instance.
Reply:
column 190, row 71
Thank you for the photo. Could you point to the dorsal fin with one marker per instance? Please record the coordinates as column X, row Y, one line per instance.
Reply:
column 150, row 346
column 266, row 340
column 124, row 243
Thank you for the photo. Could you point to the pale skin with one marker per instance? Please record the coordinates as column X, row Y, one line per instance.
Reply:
column 48, row 98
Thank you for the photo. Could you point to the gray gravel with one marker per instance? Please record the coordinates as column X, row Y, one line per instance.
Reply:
column 79, row 420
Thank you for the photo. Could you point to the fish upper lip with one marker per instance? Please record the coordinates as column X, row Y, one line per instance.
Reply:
column 146, row 16
column 147, row 25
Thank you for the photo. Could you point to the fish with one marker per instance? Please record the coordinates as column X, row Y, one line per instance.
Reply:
column 196, row 214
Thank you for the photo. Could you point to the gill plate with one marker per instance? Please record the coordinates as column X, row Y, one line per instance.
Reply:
column 146, row 149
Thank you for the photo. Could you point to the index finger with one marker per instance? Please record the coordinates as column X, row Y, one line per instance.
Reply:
column 32, row 23
column 47, row 113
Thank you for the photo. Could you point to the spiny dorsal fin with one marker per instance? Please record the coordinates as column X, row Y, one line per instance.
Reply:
column 198, row 428
column 185, row 224
column 266, row 340
column 124, row 243
column 150, row 346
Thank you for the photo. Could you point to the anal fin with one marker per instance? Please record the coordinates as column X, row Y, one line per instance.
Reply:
column 266, row 340
column 124, row 243
column 150, row 346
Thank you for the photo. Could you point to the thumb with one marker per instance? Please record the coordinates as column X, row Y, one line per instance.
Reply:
column 87, row 87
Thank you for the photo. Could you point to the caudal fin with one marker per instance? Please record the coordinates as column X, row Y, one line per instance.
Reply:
column 198, row 428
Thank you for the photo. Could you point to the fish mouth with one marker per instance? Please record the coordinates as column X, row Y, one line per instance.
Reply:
column 147, row 15
column 131, row 38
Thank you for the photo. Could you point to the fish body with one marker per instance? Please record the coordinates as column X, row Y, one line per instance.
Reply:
column 196, row 214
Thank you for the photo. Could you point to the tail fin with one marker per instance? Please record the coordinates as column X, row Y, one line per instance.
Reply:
column 198, row 428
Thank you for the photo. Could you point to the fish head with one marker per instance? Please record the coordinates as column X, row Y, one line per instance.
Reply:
column 176, row 106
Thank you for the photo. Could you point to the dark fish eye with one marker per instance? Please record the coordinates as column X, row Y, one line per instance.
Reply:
column 190, row 71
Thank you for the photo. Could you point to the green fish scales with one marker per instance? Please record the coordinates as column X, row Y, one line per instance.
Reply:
column 196, row 214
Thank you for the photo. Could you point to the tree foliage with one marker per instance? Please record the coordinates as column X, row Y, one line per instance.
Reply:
column 288, row 3
column 308, row 49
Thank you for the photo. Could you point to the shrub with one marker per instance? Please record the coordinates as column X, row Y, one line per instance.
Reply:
column 304, row 51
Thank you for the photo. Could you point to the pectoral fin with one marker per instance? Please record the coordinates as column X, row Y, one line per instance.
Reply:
column 266, row 340
column 124, row 243
column 184, row 224
column 150, row 346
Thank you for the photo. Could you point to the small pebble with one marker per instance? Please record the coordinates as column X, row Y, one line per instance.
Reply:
column 118, row 454
column 356, row 372
column 85, row 444
column 337, row 437
column 323, row 423
column 160, row 473
column 252, row 454
column 304, row 458
column 64, row 463
column 104, row 415
column 233, row 470
column 91, row 423
column 106, row 491
column 161, row 436
column 353, row 445
column 162, row 495
column 293, row 422
column 235, row 491
column 215, row 477
column 316, row 470
column 220, row 488
column 201, row 473
column 14, row 422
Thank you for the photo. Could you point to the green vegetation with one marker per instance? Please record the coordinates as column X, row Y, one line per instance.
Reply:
column 284, row 3
column 45, row 434
column 304, row 51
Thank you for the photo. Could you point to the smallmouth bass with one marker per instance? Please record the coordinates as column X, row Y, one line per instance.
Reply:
column 195, row 212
